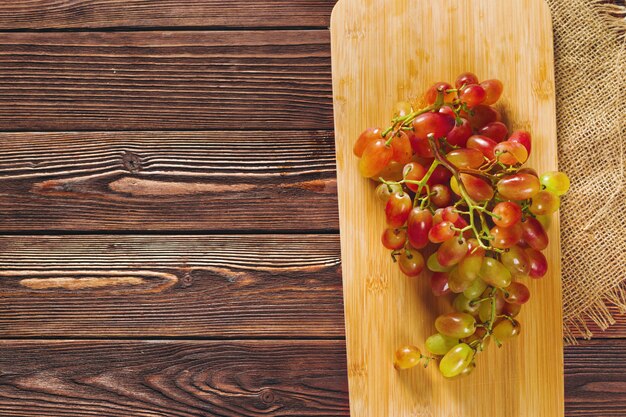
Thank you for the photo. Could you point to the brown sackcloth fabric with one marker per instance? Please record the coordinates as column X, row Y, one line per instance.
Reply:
column 589, row 38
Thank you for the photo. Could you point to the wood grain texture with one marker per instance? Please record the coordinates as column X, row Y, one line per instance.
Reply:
column 595, row 379
column 80, row 14
column 111, row 181
column 235, row 80
column 384, row 309
column 167, row 379
column 149, row 286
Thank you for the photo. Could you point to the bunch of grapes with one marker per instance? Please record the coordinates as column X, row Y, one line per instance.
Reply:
column 454, row 186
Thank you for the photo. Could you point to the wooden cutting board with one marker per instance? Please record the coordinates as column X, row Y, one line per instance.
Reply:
column 384, row 51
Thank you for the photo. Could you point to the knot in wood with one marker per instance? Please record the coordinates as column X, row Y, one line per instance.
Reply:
column 186, row 281
column 131, row 161
column 267, row 396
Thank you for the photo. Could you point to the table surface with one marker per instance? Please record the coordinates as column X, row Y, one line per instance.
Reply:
column 168, row 215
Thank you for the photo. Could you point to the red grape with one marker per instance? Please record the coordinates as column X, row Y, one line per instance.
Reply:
column 441, row 232
column 439, row 283
column 394, row 239
column 398, row 208
column 440, row 175
column 534, row 234
column 523, row 137
column 495, row 130
column 509, row 213
column 511, row 153
column 375, row 158
column 431, row 93
column 493, row 91
column 483, row 144
column 466, row 158
column 472, row 95
column 411, row 262
column 519, row 186
column 477, row 188
column 441, row 195
column 419, row 224
column 466, row 78
column 367, row 137
column 402, row 149
column 517, row 261
column 517, row 293
column 420, row 146
column 436, row 124
column 459, row 135
column 414, row 171
column 451, row 252
column 483, row 115
column 538, row 263
column 506, row 237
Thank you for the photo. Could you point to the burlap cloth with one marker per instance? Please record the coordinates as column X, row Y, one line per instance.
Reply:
column 589, row 38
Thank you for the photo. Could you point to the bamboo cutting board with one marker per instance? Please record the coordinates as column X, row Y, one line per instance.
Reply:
column 384, row 51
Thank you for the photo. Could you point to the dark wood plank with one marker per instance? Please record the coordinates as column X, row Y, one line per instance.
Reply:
column 168, row 181
column 167, row 379
column 46, row 14
column 150, row 286
column 235, row 80
column 595, row 379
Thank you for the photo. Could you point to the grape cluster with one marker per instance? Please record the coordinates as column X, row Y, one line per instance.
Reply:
column 454, row 187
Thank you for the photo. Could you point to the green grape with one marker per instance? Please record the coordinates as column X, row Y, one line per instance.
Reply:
column 476, row 288
column 433, row 264
column 463, row 304
column 506, row 329
column 456, row 282
column 384, row 192
column 469, row 267
column 456, row 360
column 457, row 325
column 484, row 311
column 555, row 182
column 407, row 357
column 516, row 261
column 439, row 344
column 468, row 369
column 494, row 273
column 544, row 203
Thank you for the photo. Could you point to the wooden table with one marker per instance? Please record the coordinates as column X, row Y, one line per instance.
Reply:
column 168, row 215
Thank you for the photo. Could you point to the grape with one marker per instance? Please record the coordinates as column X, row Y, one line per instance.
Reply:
column 511, row 310
column 434, row 265
column 474, row 248
column 506, row 237
column 418, row 225
column 383, row 191
column 439, row 284
column 403, row 108
column 483, row 144
column 477, row 188
column 441, row 232
column 469, row 267
column 456, row 360
column 457, row 325
column 511, row 153
column 465, row 79
column 545, row 203
column 538, row 263
column 450, row 214
column 456, row 282
column 476, row 288
column 451, row 252
column 493, row 91
column 430, row 123
column 518, row 186
column 517, row 293
column 466, row 158
column 484, row 311
column 459, row 135
column 420, row 146
column 516, row 260
column 414, row 171
column 402, row 149
column 528, row 171
column 494, row 273
column 368, row 136
column 463, row 304
column 555, row 182
column 394, row 239
column 411, row 262
column 545, row 221
column 398, row 208
column 392, row 172
column 439, row 344
column 483, row 115
column 441, row 195
column 447, row 109
column 440, row 175
column 534, row 234
column 506, row 330
column 472, row 95
column 480, row 337
column 431, row 93
column 495, row 130
column 407, row 357
column 523, row 137
column 375, row 158
column 510, row 213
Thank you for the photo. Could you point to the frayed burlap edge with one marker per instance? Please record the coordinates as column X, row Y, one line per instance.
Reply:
column 597, row 308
